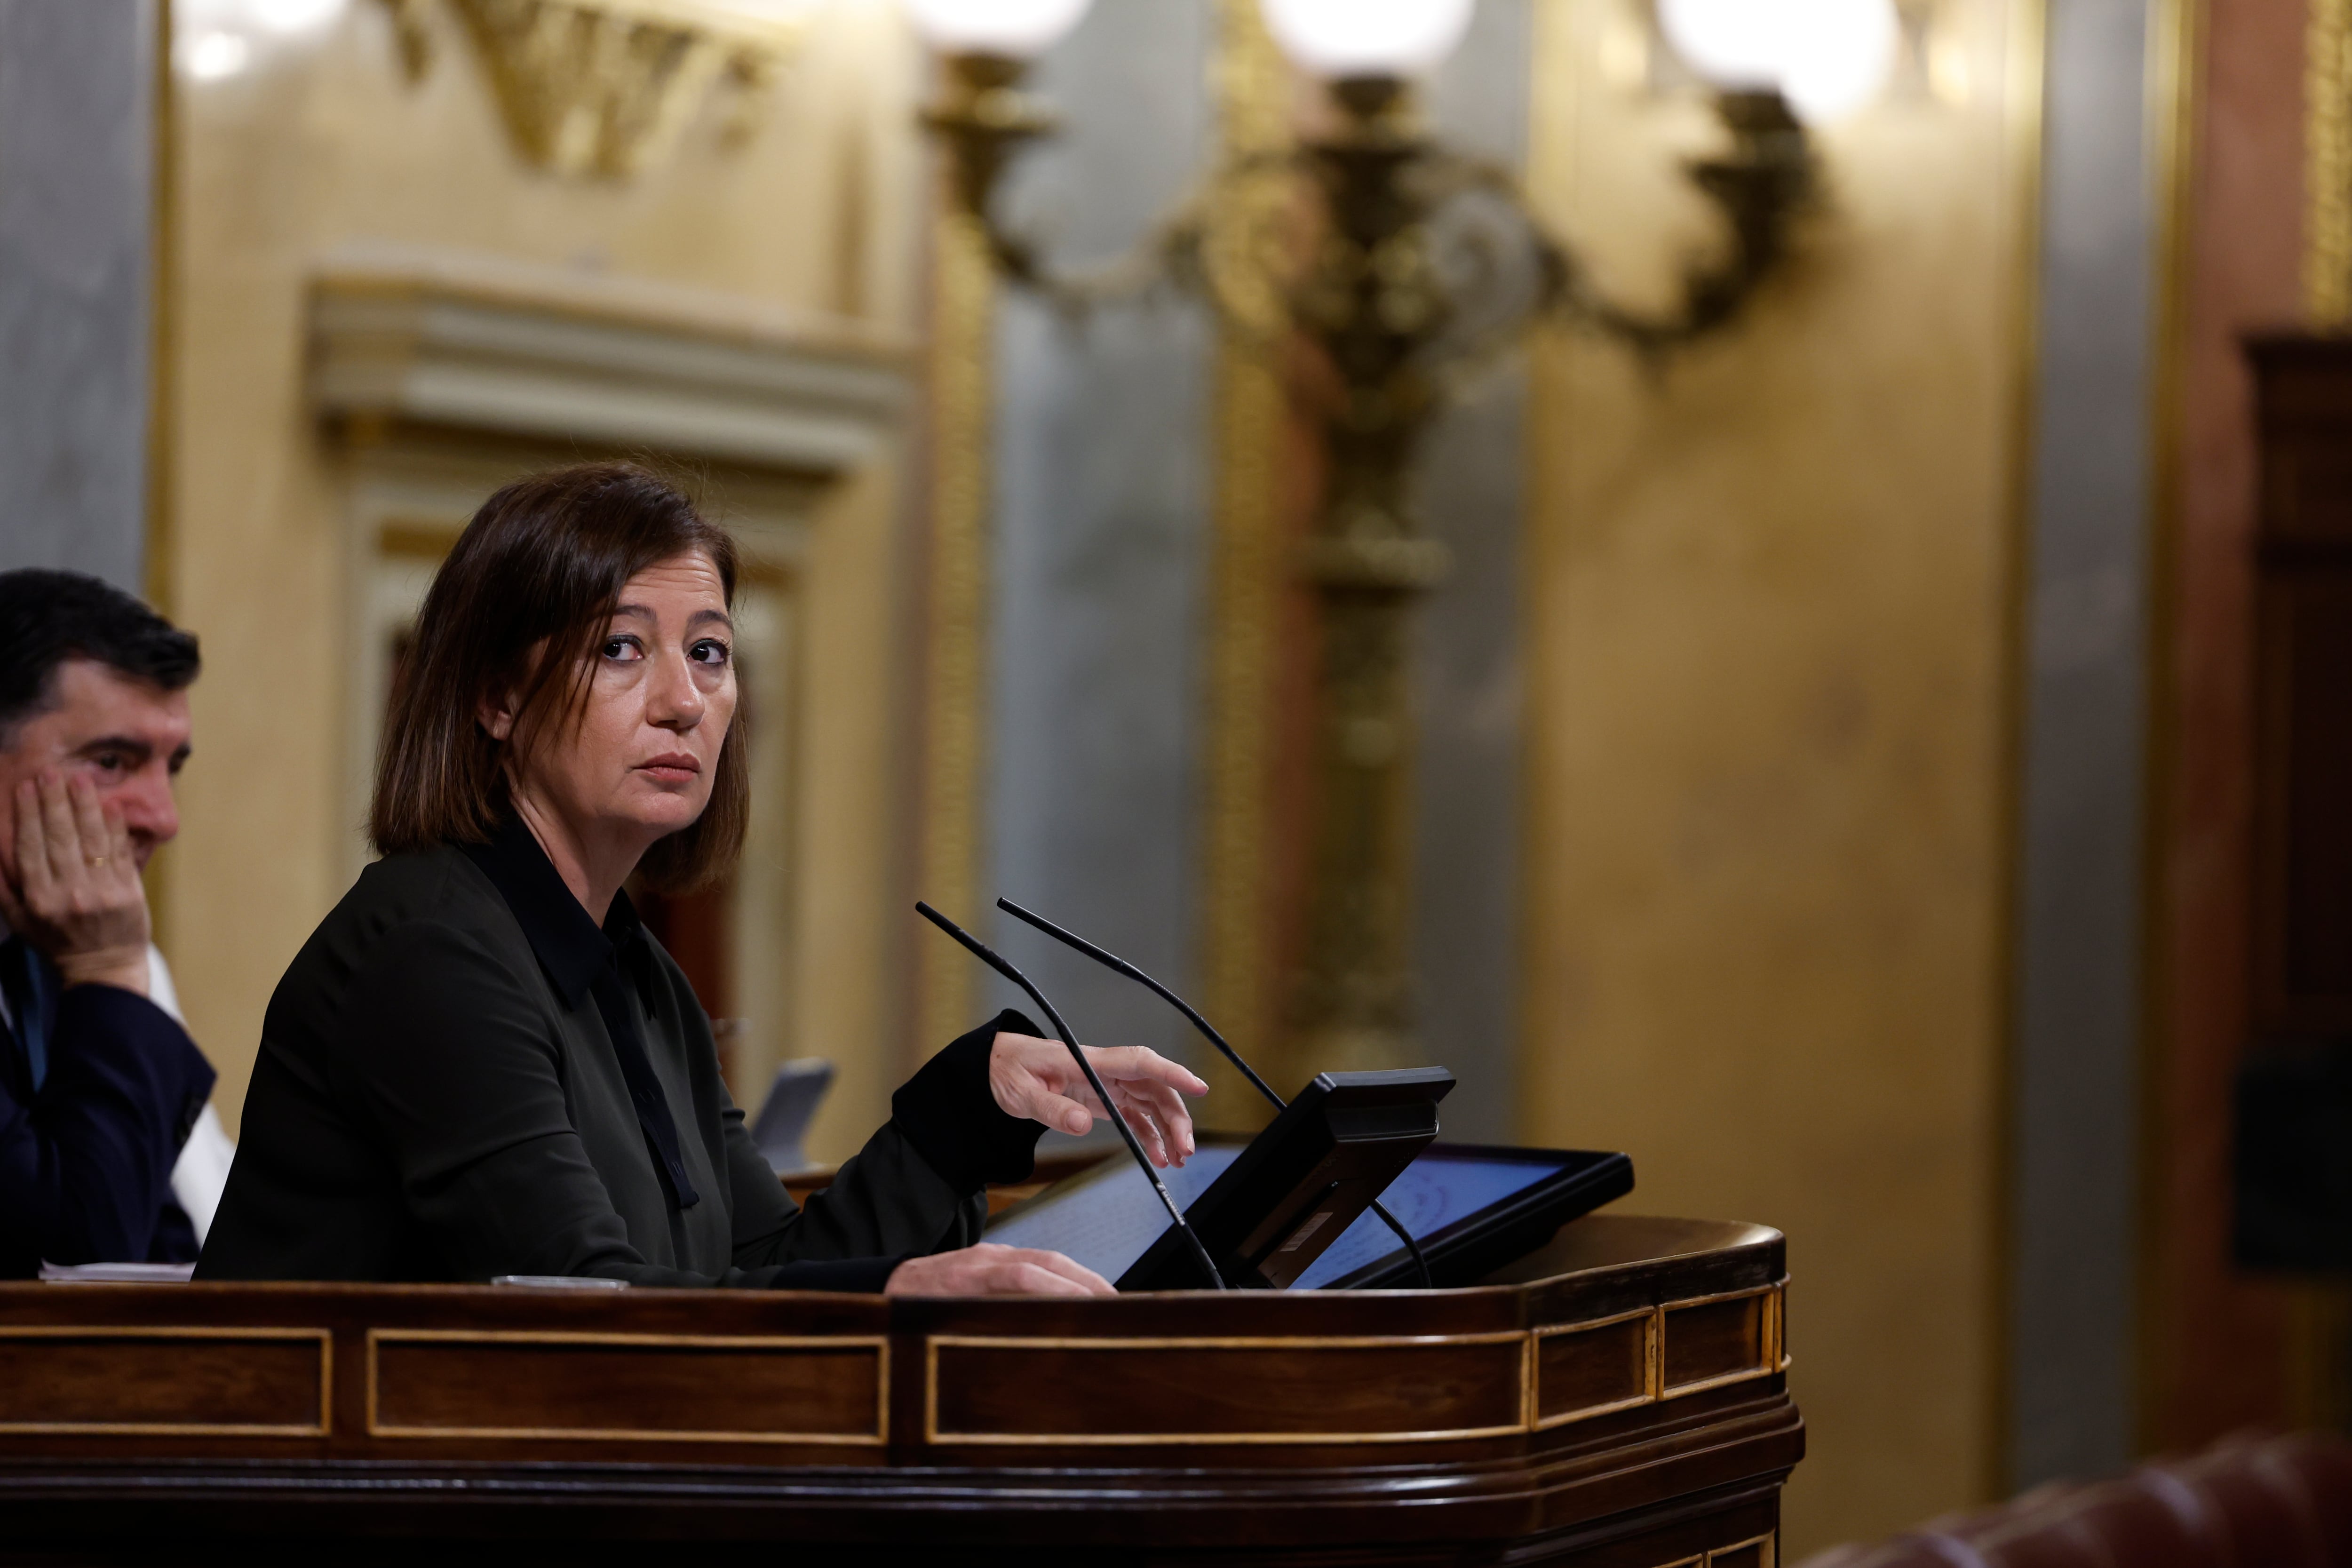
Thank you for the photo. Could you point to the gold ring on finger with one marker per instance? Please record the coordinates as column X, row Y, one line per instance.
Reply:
column 98, row 859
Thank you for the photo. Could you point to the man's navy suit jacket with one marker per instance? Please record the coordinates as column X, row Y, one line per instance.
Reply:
column 85, row 1165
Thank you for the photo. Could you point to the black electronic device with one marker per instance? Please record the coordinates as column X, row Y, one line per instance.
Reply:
column 1178, row 1226
column 1473, row 1207
column 1209, row 1032
column 1300, row 1184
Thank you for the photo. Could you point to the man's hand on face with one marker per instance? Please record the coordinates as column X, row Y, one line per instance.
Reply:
column 69, row 883
column 85, row 798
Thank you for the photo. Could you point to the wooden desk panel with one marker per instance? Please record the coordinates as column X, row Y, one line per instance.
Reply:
column 1294, row 1390
column 438, row 1384
column 119, row 1381
column 1617, row 1400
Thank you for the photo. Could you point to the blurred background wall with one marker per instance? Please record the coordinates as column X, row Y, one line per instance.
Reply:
column 1832, row 774
column 1772, row 590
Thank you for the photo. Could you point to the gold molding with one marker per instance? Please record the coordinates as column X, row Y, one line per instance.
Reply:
column 323, row 1428
column 1771, row 1359
column 1771, row 1354
column 879, row 1345
column 1767, row 1550
column 159, row 567
column 955, row 687
column 2327, row 163
column 2025, row 67
column 933, row 1343
column 160, row 577
column 1246, row 583
column 1768, row 1356
column 602, row 87
column 1653, row 1368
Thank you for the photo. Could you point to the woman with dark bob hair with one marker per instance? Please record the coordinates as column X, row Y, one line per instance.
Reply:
column 481, row 1064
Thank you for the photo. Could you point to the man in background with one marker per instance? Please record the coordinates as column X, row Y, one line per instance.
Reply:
column 100, row 1088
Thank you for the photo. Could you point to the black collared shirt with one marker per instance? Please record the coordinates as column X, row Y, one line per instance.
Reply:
column 462, row 1076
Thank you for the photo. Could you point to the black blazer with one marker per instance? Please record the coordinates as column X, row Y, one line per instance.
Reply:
column 462, row 1076
column 86, row 1163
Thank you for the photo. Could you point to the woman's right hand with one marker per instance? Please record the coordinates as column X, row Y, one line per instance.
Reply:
column 991, row 1269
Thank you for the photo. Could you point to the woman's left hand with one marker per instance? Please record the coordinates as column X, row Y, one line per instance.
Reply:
column 1036, row 1079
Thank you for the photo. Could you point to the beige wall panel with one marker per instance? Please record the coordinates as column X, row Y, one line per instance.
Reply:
column 1768, row 725
column 848, row 909
column 323, row 146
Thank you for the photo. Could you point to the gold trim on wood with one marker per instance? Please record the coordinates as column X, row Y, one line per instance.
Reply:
column 955, row 689
column 878, row 1344
column 323, row 1428
column 1767, row 1362
column 1651, row 1365
column 1771, row 1354
column 933, row 1344
column 1767, row 1544
column 2328, row 162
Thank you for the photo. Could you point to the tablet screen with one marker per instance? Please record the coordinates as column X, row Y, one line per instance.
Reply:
column 1106, row 1217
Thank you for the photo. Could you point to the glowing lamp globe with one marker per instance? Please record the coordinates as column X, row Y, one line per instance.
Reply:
column 1340, row 38
column 1016, row 29
column 1830, row 58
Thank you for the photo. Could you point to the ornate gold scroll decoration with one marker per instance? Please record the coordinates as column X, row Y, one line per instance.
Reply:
column 2327, row 163
column 602, row 87
column 1245, row 587
column 955, row 691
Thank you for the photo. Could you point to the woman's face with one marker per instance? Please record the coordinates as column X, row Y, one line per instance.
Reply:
column 661, row 694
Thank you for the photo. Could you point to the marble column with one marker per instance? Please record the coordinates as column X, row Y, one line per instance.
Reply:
column 2076, row 1087
column 78, row 87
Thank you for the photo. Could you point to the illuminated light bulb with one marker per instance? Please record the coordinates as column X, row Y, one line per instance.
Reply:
column 1734, row 44
column 1017, row 29
column 1838, row 54
column 213, row 56
column 1829, row 56
column 1335, row 38
column 293, row 16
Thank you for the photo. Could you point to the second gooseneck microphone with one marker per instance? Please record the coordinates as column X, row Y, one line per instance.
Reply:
column 981, row 951
column 1112, row 960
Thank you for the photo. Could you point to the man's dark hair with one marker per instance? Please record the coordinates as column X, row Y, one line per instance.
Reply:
column 47, row 617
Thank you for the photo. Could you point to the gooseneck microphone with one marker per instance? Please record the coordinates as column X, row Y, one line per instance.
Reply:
column 981, row 951
column 1113, row 962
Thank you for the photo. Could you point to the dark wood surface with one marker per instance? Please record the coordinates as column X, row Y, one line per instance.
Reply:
column 2301, row 936
column 1616, row 1399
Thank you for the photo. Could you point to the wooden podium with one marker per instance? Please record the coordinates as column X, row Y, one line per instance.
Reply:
column 1616, row 1399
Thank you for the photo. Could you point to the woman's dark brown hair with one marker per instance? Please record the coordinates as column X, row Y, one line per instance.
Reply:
column 518, row 607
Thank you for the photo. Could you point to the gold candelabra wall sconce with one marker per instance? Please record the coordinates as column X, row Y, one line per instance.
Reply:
column 600, row 88
column 1378, row 267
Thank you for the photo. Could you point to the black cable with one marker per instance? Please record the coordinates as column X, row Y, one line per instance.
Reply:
column 979, row 951
column 1122, row 966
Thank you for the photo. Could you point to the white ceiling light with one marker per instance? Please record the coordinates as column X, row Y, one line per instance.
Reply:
column 293, row 16
column 1830, row 57
column 1839, row 53
column 1336, row 38
column 1017, row 29
column 210, row 57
